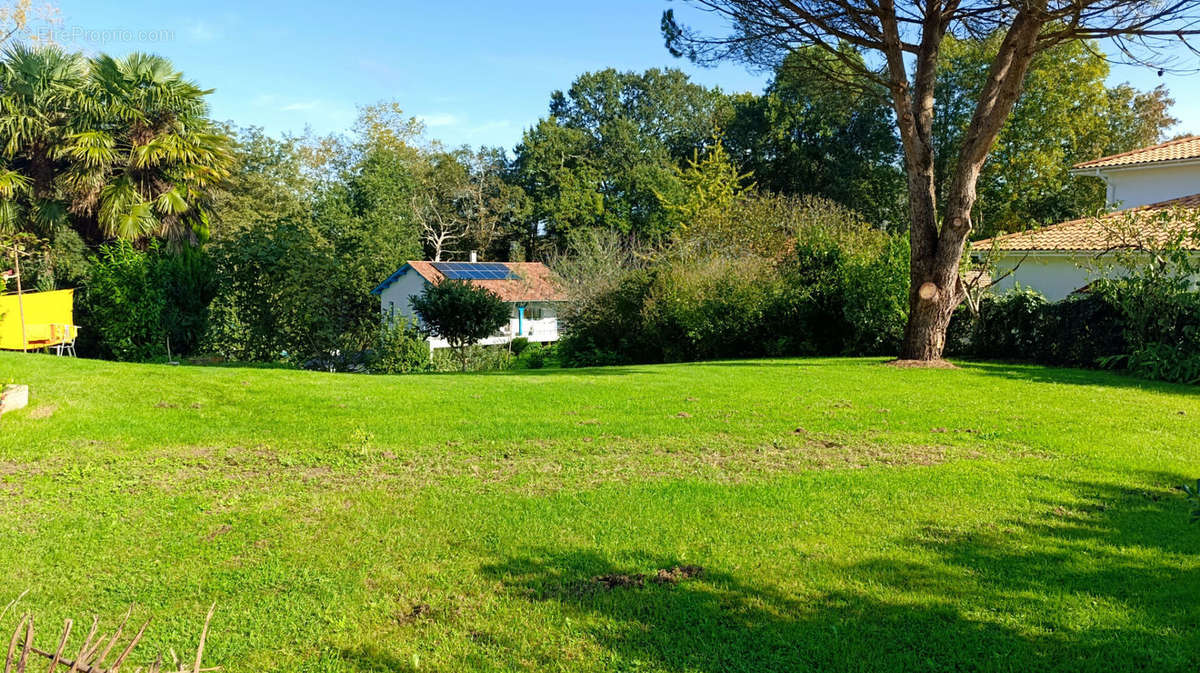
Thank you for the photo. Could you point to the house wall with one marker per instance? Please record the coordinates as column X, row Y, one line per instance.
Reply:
column 1131, row 187
column 395, row 303
column 1056, row 275
column 1053, row 275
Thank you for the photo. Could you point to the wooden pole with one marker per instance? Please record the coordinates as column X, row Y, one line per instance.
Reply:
column 20, row 299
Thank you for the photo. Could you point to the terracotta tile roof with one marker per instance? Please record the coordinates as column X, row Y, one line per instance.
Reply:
column 1172, row 150
column 1079, row 235
column 534, row 281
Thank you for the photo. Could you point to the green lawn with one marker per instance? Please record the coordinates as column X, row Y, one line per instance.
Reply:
column 847, row 516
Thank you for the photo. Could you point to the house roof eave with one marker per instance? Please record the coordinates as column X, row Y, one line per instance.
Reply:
column 1100, row 171
column 391, row 279
column 1184, row 148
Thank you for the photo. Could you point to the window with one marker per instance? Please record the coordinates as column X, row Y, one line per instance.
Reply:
column 532, row 312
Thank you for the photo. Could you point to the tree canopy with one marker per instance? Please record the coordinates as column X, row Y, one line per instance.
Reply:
column 610, row 146
column 111, row 147
column 807, row 135
column 1066, row 114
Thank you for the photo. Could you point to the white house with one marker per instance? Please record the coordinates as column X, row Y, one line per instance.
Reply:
column 1149, row 175
column 1055, row 260
column 529, row 287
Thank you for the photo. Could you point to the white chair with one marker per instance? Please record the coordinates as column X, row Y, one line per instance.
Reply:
column 67, row 343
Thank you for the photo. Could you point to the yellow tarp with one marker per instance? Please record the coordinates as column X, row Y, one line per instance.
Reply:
column 49, row 319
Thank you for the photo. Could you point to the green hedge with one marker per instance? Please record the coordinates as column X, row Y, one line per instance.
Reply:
column 137, row 302
column 1121, row 324
column 1021, row 325
column 838, row 293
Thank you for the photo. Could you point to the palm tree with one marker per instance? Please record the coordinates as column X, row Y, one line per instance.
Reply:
column 40, row 94
column 148, row 158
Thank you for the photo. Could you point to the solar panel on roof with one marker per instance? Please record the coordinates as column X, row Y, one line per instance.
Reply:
column 473, row 270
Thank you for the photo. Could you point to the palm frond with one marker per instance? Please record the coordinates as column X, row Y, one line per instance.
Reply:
column 49, row 214
column 10, row 216
column 94, row 149
column 123, row 212
column 171, row 202
column 12, row 183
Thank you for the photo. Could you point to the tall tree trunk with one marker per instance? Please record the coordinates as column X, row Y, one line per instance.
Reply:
column 929, row 306
column 935, row 290
column 41, row 167
column 935, row 284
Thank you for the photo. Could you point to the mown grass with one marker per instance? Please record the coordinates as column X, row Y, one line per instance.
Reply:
column 847, row 515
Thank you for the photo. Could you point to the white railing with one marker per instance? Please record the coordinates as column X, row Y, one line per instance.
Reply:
column 543, row 330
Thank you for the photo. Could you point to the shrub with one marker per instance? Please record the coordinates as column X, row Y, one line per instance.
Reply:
column 712, row 308
column 1193, row 495
column 125, row 303
column 604, row 277
column 472, row 359
column 815, row 273
column 1080, row 331
column 766, row 275
column 875, row 298
column 763, row 224
column 1154, row 292
column 606, row 328
column 189, row 284
column 1010, row 326
column 843, row 290
column 518, row 345
column 1160, row 316
column 1164, row 362
column 138, row 301
column 535, row 356
column 399, row 349
column 286, row 287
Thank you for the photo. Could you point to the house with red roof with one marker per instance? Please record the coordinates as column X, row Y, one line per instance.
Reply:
column 530, row 288
column 1058, row 260
column 1149, row 175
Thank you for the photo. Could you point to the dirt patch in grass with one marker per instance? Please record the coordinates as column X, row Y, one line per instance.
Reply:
column 677, row 574
column 921, row 364
column 534, row 468
column 662, row 576
column 798, row 452
column 9, row 468
column 223, row 529
column 865, row 456
column 618, row 581
column 417, row 612
column 43, row 411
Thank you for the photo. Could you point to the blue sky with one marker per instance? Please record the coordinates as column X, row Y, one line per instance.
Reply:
column 476, row 72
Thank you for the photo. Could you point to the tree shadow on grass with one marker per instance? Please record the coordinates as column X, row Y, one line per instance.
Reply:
column 1108, row 582
column 372, row 658
column 1085, row 377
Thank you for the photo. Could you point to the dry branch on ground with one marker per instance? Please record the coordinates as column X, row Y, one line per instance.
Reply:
column 95, row 650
